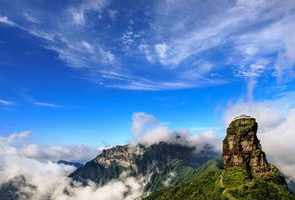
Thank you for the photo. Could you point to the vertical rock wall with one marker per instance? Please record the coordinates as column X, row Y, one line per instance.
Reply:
column 241, row 147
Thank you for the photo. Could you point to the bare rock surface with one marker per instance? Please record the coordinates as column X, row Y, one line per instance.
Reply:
column 242, row 148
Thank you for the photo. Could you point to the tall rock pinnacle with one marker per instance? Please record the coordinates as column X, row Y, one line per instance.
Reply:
column 241, row 147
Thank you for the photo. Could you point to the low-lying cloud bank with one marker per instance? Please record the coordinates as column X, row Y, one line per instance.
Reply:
column 15, row 144
column 39, row 177
column 49, row 180
column 148, row 130
column 52, row 183
column 276, row 120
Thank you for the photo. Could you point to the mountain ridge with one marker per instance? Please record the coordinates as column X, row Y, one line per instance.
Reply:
column 156, row 161
column 177, row 170
column 245, row 173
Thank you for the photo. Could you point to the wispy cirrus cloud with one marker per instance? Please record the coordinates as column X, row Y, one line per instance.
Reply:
column 6, row 103
column 37, row 102
column 234, row 24
column 7, row 21
column 82, row 47
column 159, row 50
column 46, row 104
column 15, row 136
column 79, row 12
column 253, row 36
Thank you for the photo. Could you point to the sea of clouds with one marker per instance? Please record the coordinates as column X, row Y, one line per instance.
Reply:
column 38, row 166
column 51, row 182
column 38, row 163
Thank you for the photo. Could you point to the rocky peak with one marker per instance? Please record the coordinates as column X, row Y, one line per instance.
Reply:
column 241, row 147
column 123, row 155
column 151, row 162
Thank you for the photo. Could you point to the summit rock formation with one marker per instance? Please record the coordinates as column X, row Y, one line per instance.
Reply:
column 242, row 148
column 243, row 174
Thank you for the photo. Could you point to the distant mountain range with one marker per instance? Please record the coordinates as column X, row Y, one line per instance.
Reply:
column 158, row 164
column 70, row 163
column 177, row 171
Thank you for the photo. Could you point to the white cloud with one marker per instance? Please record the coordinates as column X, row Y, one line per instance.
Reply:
column 197, row 70
column 273, row 39
column 88, row 46
column 275, row 128
column 6, row 103
column 62, row 36
column 50, row 180
column 34, row 171
column 35, row 163
column 242, row 32
column 148, row 130
column 128, row 40
column 145, row 48
column 38, row 162
column 15, row 145
column 246, row 32
column 223, row 25
column 71, row 34
column 80, row 153
column 15, row 136
column 6, row 20
column 252, row 72
column 161, row 50
column 78, row 17
column 31, row 18
column 141, row 120
column 79, row 12
column 46, row 104
column 113, row 14
column 147, row 85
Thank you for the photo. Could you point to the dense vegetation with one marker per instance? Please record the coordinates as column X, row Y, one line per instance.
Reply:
column 211, row 182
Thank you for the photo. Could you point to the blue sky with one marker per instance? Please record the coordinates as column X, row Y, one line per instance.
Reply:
column 76, row 71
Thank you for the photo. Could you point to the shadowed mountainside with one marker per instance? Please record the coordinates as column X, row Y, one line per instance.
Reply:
column 157, row 163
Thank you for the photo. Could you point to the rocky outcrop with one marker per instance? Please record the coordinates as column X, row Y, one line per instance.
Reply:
column 241, row 148
column 245, row 174
column 17, row 188
column 153, row 162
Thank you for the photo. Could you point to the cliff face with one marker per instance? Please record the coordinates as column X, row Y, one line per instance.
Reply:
column 241, row 148
column 156, row 162
column 245, row 175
